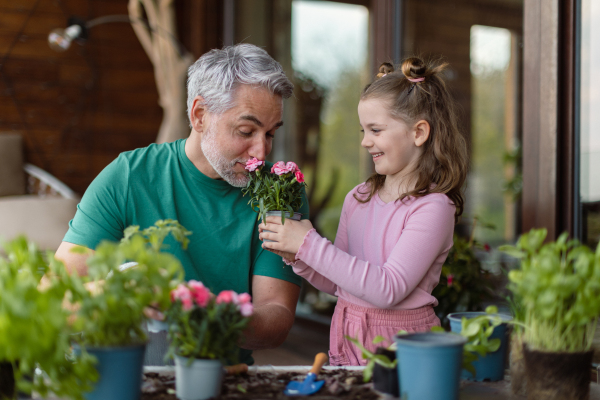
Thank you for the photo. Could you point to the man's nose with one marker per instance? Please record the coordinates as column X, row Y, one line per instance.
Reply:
column 260, row 148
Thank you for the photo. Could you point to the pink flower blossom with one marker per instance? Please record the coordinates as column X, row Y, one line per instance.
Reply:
column 292, row 167
column 253, row 163
column 280, row 168
column 227, row 296
column 299, row 176
column 183, row 294
column 200, row 293
column 246, row 309
column 244, row 298
column 487, row 247
column 450, row 279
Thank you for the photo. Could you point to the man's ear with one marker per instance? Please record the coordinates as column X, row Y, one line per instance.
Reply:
column 421, row 130
column 197, row 113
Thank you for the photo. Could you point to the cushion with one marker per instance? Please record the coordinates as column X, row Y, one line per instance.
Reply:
column 44, row 220
column 12, row 175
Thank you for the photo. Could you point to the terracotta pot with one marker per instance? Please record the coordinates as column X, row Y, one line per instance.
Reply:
column 557, row 376
column 518, row 378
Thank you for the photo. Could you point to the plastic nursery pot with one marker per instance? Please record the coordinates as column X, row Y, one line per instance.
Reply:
column 429, row 365
column 557, row 376
column 385, row 380
column 491, row 366
column 198, row 380
column 120, row 372
column 295, row 217
column 7, row 381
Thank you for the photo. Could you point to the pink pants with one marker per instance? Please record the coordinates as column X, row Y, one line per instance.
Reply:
column 366, row 323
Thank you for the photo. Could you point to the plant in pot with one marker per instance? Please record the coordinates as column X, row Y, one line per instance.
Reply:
column 276, row 192
column 381, row 365
column 558, row 286
column 35, row 335
column 111, row 316
column 204, row 332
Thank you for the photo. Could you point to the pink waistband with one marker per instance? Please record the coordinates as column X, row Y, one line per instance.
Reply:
column 373, row 314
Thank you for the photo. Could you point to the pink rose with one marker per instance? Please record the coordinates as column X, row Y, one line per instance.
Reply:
column 244, row 298
column 227, row 296
column 246, row 309
column 200, row 293
column 280, row 168
column 183, row 294
column 253, row 163
column 292, row 166
column 299, row 176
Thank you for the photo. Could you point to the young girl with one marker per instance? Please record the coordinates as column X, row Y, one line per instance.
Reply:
column 396, row 229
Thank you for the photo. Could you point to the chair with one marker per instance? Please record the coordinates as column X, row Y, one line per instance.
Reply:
column 32, row 201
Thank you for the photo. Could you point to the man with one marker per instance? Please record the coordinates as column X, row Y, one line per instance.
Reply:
column 235, row 103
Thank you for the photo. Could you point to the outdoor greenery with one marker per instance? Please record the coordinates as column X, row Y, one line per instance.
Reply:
column 558, row 288
column 278, row 190
column 113, row 312
column 34, row 327
column 205, row 327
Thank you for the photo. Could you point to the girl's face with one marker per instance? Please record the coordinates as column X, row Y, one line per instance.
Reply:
column 394, row 146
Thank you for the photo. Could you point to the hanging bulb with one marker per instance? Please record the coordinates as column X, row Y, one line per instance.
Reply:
column 60, row 39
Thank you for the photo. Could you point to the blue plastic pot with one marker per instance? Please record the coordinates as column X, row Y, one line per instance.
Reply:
column 120, row 370
column 429, row 365
column 491, row 366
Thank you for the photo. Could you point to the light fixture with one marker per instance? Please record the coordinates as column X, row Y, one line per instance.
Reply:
column 60, row 39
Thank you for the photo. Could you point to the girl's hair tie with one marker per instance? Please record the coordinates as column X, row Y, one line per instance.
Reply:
column 415, row 80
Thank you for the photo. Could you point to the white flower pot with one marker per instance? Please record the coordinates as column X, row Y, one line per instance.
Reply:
column 199, row 380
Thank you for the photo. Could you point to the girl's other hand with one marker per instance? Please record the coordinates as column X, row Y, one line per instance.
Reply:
column 287, row 237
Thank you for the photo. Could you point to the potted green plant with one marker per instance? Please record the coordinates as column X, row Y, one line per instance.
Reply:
column 111, row 317
column 558, row 286
column 278, row 192
column 35, row 334
column 204, row 331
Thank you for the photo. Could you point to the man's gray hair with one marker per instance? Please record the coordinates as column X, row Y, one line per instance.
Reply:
column 216, row 75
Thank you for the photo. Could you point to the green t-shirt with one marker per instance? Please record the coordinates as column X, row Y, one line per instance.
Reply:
column 160, row 182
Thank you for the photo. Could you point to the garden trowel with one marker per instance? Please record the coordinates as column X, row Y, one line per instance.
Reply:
column 309, row 385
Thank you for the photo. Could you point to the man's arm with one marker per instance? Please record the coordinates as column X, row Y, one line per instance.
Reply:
column 74, row 262
column 274, row 303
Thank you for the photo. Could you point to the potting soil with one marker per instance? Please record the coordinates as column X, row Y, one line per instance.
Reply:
column 339, row 384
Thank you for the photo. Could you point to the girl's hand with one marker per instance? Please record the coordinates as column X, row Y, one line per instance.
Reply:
column 287, row 237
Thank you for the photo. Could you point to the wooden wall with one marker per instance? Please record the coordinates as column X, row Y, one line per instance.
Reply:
column 79, row 109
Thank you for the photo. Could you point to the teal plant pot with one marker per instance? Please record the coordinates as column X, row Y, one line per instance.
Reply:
column 491, row 366
column 120, row 372
column 429, row 365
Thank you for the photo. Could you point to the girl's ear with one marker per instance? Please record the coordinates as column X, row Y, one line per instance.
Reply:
column 197, row 114
column 421, row 130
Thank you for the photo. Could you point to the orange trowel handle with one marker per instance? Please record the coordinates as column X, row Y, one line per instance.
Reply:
column 236, row 369
column 320, row 360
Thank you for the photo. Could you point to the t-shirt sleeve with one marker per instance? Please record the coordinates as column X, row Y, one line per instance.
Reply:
column 101, row 214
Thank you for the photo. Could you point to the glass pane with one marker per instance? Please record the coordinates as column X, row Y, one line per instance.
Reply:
column 590, row 123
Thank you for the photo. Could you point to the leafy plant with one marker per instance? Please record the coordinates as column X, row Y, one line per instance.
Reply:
column 202, row 326
column 34, row 326
column 373, row 358
column 113, row 314
column 279, row 190
column 558, row 287
column 464, row 285
column 477, row 331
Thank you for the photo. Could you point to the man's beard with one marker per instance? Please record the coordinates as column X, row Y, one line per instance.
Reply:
column 223, row 166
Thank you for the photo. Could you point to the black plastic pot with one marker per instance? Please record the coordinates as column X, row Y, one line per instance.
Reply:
column 557, row 376
column 7, row 381
column 385, row 380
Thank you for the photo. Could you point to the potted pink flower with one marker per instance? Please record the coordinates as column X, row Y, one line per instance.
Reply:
column 204, row 332
column 278, row 192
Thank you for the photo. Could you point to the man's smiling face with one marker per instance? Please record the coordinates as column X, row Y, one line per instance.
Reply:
column 242, row 132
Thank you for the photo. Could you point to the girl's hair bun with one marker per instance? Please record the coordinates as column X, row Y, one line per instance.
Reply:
column 384, row 69
column 414, row 67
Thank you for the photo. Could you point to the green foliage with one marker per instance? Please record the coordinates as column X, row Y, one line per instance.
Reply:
column 478, row 331
column 212, row 331
column 272, row 192
column 373, row 358
column 34, row 328
column 464, row 285
column 558, row 288
column 113, row 315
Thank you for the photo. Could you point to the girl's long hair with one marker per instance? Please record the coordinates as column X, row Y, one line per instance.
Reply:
column 442, row 167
